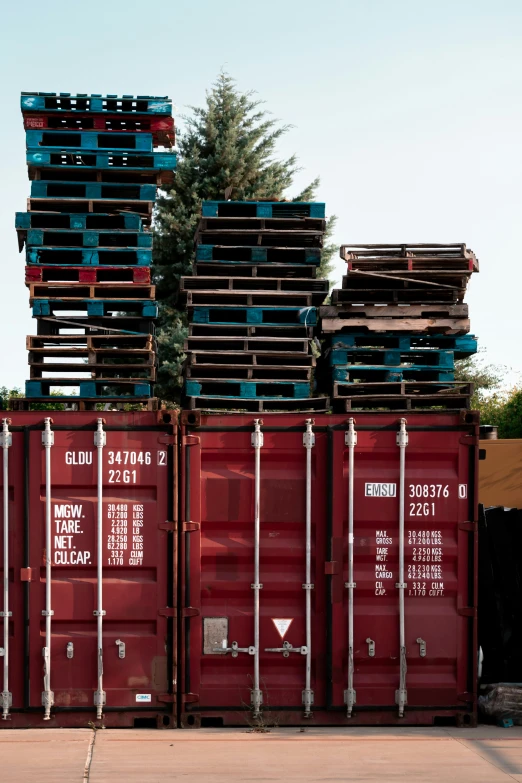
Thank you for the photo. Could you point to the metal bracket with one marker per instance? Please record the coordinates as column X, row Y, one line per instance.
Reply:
column 402, row 436
column 307, row 587
column 307, row 696
column 47, row 612
column 100, row 613
column 309, row 438
column 350, row 698
column 6, row 439
column 2, row 652
column 100, row 437
column 350, row 438
column 401, row 584
column 70, row 650
column 287, row 648
column 371, row 647
column 256, row 587
column 422, row 647
column 257, row 439
column 48, row 438
column 350, row 584
column 121, row 648
column 100, row 698
column 235, row 649
column 6, row 614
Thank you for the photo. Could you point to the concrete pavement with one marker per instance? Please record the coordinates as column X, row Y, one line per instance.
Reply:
column 483, row 755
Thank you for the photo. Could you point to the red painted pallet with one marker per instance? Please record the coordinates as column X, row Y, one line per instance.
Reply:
column 87, row 274
column 162, row 128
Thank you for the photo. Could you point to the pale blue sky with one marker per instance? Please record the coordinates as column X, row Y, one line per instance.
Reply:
column 410, row 111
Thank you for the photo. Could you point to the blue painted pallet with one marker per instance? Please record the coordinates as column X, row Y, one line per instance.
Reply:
column 96, row 307
column 462, row 345
column 258, row 255
column 275, row 316
column 47, row 157
column 42, row 389
column 380, row 357
column 72, row 221
column 359, row 373
column 263, row 209
column 95, row 102
column 248, row 389
column 113, row 239
column 89, row 140
column 77, row 256
column 92, row 190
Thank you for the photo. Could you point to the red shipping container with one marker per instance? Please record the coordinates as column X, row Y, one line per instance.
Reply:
column 328, row 569
column 72, row 653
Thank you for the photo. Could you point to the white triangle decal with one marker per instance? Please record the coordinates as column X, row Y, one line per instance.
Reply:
column 282, row 624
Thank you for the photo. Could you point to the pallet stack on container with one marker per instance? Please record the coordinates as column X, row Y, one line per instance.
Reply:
column 252, row 303
column 94, row 176
column 395, row 328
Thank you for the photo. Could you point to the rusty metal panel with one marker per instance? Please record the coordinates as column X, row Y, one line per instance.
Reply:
column 218, row 568
column 138, row 537
column 499, row 473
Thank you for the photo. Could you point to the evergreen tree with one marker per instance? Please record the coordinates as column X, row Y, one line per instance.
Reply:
column 225, row 152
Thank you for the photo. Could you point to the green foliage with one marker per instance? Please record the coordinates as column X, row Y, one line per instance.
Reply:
column 6, row 394
column 498, row 407
column 227, row 151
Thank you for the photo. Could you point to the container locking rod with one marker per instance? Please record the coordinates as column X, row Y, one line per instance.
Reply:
column 257, row 443
column 308, row 694
column 350, row 440
column 6, row 698
column 47, row 695
column 401, row 695
column 99, row 696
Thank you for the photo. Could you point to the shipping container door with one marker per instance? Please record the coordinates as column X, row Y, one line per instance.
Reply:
column 438, row 585
column 219, row 544
column 136, row 511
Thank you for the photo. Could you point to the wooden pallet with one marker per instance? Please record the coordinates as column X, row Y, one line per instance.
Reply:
column 38, row 237
column 56, row 139
column 249, row 224
column 245, row 345
column 411, row 294
column 254, row 238
column 235, row 387
column 125, row 388
column 101, row 371
column 434, row 250
column 97, row 292
column 255, row 284
column 268, row 374
column 250, row 359
column 115, row 160
column 80, row 345
column 82, row 102
column 95, row 326
column 107, row 308
column 406, row 395
column 235, row 254
column 83, row 404
column 77, row 222
column 310, row 404
column 82, row 190
column 161, row 128
column 298, row 331
column 262, row 271
column 127, row 275
column 90, row 256
column 361, row 374
column 268, row 209
column 259, row 299
column 239, row 315
column 448, row 326
column 55, row 206
column 391, row 357
column 462, row 346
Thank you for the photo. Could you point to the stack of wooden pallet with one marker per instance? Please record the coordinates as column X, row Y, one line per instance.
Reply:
column 252, row 306
column 395, row 328
column 94, row 177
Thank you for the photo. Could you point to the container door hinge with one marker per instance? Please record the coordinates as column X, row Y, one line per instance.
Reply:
column 168, row 611
column 422, row 647
column 170, row 527
column 190, row 611
column 371, row 647
column 189, row 698
column 167, row 440
column 468, row 527
column 191, row 527
column 26, row 574
column 167, row 698
column 190, row 440
column 466, row 697
column 121, row 648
